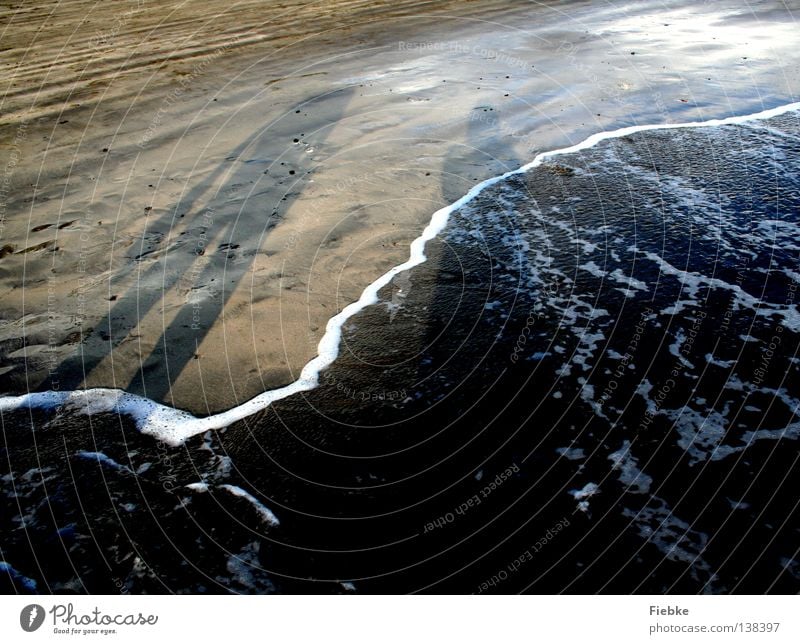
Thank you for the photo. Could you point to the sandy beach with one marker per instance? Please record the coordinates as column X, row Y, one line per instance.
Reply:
column 586, row 379
column 191, row 190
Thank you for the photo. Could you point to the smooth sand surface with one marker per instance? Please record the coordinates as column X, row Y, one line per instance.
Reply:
column 189, row 191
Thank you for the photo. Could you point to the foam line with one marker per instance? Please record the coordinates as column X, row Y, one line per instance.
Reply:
column 174, row 426
column 263, row 511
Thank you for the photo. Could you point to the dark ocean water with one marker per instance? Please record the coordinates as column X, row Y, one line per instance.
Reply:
column 592, row 385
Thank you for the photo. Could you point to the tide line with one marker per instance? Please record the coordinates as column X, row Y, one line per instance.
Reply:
column 174, row 426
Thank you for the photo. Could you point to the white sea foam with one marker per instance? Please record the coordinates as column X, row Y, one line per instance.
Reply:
column 266, row 515
column 588, row 490
column 572, row 453
column 630, row 475
column 174, row 426
column 263, row 511
column 104, row 460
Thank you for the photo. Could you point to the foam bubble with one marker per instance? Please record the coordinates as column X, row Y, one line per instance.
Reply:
column 263, row 511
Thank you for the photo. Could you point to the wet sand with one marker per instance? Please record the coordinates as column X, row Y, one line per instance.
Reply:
column 557, row 427
column 189, row 192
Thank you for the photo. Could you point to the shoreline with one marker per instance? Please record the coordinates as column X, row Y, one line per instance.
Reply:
column 174, row 427
column 201, row 269
column 579, row 225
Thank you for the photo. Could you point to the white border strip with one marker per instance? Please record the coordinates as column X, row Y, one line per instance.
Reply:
column 174, row 426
